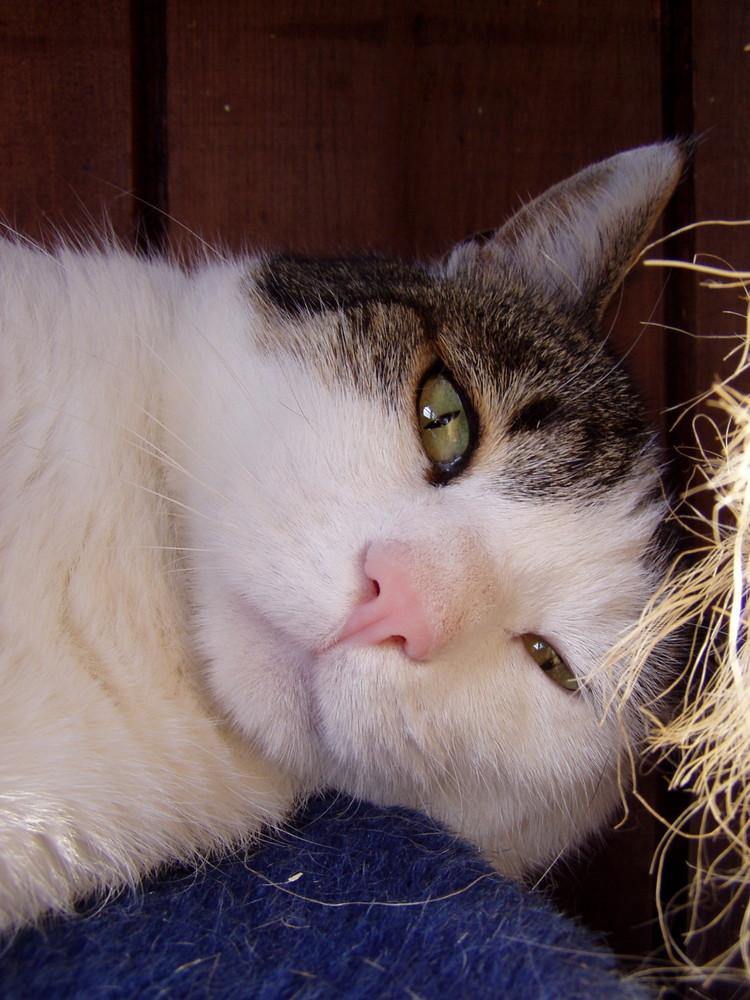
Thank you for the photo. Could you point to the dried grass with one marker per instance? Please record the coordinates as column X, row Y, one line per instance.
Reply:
column 708, row 736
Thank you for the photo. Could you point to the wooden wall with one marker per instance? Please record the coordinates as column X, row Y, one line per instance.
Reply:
column 324, row 125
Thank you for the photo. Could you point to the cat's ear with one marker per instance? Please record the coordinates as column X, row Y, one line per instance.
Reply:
column 574, row 243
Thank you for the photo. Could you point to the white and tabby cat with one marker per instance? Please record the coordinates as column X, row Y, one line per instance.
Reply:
column 276, row 524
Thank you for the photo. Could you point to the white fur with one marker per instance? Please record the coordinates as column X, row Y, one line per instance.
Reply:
column 111, row 759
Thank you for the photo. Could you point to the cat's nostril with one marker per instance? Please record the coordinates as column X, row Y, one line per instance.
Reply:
column 394, row 611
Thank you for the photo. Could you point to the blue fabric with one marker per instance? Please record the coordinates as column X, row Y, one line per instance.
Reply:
column 352, row 901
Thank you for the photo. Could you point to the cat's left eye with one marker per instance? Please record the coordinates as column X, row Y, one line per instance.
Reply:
column 550, row 661
column 444, row 425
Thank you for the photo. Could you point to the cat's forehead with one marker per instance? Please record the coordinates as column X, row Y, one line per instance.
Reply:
column 348, row 315
column 387, row 306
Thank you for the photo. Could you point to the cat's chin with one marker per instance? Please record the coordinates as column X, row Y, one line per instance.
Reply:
column 522, row 809
column 382, row 727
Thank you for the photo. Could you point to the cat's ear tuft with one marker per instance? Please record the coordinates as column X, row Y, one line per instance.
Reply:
column 575, row 243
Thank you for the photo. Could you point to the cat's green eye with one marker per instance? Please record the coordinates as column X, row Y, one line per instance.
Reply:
column 444, row 424
column 550, row 661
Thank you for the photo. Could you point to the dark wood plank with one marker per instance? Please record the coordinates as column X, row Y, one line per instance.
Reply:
column 64, row 115
column 400, row 126
column 722, row 167
column 149, row 153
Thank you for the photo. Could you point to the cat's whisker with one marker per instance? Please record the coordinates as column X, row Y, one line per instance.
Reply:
column 247, row 396
column 620, row 361
column 153, row 450
column 544, row 874
column 557, row 267
column 168, row 548
column 27, row 241
column 299, row 411
column 575, row 378
column 211, row 250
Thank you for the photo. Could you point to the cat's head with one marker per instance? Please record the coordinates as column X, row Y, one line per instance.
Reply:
column 423, row 505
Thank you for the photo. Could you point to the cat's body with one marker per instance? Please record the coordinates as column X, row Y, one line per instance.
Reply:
column 237, row 564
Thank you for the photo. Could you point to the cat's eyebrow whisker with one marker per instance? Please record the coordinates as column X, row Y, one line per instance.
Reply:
column 183, row 508
column 607, row 337
column 48, row 382
column 591, row 360
column 179, row 381
column 175, row 570
column 162, row 548
column 603, row 342
column 606, row 374
column 153, row 450
column 613, row 368
column 164, row 455
column 299, row 411
column 575, row 376
column 150, row 449
column 623, row 357
column 248, row 398
column 147, row 447
column 164, row 496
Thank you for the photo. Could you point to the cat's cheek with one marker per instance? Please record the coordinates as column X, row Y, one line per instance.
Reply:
column 260, row 681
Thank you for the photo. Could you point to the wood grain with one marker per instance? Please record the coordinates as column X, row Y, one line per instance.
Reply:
column 401, row 127
column 64, row 115
column 722, row 169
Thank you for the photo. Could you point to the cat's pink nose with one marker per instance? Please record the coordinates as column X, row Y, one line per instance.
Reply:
column 396, row 610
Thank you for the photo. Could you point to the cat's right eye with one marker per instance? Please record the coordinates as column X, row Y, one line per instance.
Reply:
column 445, row 425
column 550, row 661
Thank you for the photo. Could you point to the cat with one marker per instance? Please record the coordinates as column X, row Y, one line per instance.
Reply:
column 270, row 525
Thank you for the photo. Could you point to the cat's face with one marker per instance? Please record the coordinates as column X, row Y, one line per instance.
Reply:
column 410, row 488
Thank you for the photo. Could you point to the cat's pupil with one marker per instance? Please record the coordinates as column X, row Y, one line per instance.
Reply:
column 547, row 657
column 434, row 421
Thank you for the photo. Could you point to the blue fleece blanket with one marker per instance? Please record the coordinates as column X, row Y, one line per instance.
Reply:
column 352, row 901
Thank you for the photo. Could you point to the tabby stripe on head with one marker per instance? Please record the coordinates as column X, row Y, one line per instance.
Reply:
column 299, row 286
